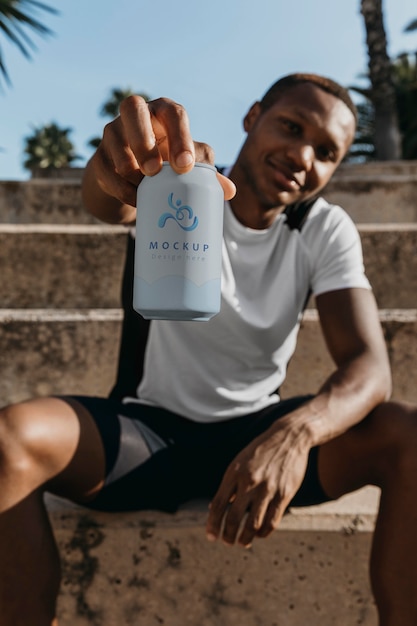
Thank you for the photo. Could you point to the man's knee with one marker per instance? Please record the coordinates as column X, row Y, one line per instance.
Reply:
column 17, row 440
column 392, row 439
column 37, row 440
column 380, row 450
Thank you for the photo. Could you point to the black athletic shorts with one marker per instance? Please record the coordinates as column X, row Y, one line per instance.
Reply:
column 157, row 460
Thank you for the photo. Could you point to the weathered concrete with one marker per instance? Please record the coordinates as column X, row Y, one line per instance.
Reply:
column 68, row 266
column 151, row 568
column 52, row 352
column 56, row 352
column 61, row 266
column 311, row 363
column 376, row 192
column 379, row 169
column 370, row 192
column 60, row 173
column 389, row 252
column 37, row 201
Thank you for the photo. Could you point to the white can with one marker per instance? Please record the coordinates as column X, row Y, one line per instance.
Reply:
column 178, row 250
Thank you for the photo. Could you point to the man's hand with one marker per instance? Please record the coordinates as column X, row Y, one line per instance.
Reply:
column 258, row 486
column 137, row 142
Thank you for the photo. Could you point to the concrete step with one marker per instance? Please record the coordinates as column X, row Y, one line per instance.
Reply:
column 48, row 352
column 43, row 201
column 376, row 192
column 151, row 568
column 376, row 169
column 70, row 266
column 63, row 266
column 370, row 192
column 311, row 363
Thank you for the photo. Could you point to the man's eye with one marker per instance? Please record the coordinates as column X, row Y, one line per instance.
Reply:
column 291, row 126
column 325, row 154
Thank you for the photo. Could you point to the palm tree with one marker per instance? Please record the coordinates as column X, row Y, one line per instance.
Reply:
column 16, row 17
column 387, row 139
column 405, row 77
column 49, row 147
column 404, row 71
column 111, row 107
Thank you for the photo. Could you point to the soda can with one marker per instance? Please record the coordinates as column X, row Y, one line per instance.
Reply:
column 178, row 248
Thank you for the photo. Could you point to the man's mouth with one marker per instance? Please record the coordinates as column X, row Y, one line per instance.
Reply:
column 285, row 178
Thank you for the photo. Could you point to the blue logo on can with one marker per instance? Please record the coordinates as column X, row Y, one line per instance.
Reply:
column 182, row 212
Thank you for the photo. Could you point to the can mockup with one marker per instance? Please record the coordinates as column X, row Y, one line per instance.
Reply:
column 178, row 249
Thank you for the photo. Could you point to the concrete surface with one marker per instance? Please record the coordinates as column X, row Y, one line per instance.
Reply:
column 52, row 352
column 311, row 362
column 376, row 192
column 46, row 352
column 71, row 266
column 37, row 201
column 389, row 252
column 61, row 266
column 151, row 568
column 370, row 192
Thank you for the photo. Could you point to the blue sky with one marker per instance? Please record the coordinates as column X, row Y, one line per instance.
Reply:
column 214, row 57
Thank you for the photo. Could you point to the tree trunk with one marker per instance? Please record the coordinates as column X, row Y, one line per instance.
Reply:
column 387, row 135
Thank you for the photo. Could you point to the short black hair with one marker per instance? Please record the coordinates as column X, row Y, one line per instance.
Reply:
column 327, row 84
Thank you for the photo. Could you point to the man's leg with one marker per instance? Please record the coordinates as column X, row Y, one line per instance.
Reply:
column 382, row 450
column 43, row 443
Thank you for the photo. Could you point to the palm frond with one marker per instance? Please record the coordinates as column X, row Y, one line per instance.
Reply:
column 16, row 17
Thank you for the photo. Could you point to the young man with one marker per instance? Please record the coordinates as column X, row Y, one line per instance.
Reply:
column 226, row 434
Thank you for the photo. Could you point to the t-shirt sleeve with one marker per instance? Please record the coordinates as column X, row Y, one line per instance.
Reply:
column 337, row 260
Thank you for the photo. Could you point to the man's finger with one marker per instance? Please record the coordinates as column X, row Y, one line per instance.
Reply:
column 233, row 518
column 138, row 129
column 217, row 510
column 170, row 121
column 273, row 516
column 120, row 187
column 254, row 522
column 115, row 154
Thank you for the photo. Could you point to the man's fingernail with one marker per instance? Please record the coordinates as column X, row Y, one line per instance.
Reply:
column 184, row 159
column 211, row 537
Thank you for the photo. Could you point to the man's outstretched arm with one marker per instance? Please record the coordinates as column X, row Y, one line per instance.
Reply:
column 135, row 144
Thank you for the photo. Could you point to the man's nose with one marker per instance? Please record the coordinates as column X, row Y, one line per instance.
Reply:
column 301, row 155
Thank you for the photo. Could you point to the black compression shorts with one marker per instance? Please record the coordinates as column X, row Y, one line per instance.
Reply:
column 157, row 460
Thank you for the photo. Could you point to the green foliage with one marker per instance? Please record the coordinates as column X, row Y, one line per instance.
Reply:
column 404, row 72
column 16, row 17
column 49, row 147
column 405, row 76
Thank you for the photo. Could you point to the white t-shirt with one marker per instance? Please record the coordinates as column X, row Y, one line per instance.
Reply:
column 233, row 364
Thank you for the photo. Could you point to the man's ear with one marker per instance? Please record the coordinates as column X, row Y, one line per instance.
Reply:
column 251, row 116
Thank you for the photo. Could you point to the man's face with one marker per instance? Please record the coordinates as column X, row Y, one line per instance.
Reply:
column 293, row 148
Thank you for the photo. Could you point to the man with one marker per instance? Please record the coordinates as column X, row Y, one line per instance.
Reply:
column 216, row 427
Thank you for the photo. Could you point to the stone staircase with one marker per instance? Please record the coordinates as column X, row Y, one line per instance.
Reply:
column 60, row 322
